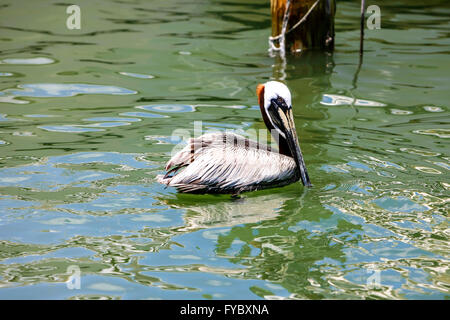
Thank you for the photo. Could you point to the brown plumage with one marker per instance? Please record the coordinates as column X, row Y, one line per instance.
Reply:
column 230, row 163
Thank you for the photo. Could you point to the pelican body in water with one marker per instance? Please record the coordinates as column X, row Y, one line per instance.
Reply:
column 230, row 163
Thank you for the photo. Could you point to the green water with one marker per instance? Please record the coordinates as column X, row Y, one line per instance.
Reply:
column 86, row 124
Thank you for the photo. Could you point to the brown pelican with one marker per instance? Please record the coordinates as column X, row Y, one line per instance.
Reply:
column 230, row 163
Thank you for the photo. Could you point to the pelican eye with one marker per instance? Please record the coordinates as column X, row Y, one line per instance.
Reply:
column 280, row 103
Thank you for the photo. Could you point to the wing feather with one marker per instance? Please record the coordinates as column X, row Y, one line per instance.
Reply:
column 228, row 163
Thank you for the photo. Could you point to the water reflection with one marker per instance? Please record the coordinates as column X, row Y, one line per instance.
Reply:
column 44, row 90
column 337, row 100
column 286, row 250
column 69, row 128
column 137, row 75
column 214, row 213
column 83, row 139
column 64, row 90
column 168, row 108
column 29, row 61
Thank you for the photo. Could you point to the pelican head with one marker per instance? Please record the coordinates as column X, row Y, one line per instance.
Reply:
column 275, row 103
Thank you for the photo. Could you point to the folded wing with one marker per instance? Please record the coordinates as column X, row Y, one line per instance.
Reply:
column 227, row 163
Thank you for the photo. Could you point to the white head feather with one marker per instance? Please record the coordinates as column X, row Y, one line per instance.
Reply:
column 275, row 89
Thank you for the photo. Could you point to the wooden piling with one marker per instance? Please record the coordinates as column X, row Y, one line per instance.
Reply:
column 316, row 31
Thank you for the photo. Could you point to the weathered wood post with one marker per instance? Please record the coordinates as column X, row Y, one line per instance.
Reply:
column 310, row 24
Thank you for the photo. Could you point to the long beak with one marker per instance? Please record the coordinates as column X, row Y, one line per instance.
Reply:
column 287, row 119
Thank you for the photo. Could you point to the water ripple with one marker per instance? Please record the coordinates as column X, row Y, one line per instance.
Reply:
column 441, row 133
column 374, row 143
column 339, row 100
column 30, row 61
column 137, row 75
column 142, row 115
column 69, row 128
column 65, row 90
column 168, row 108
